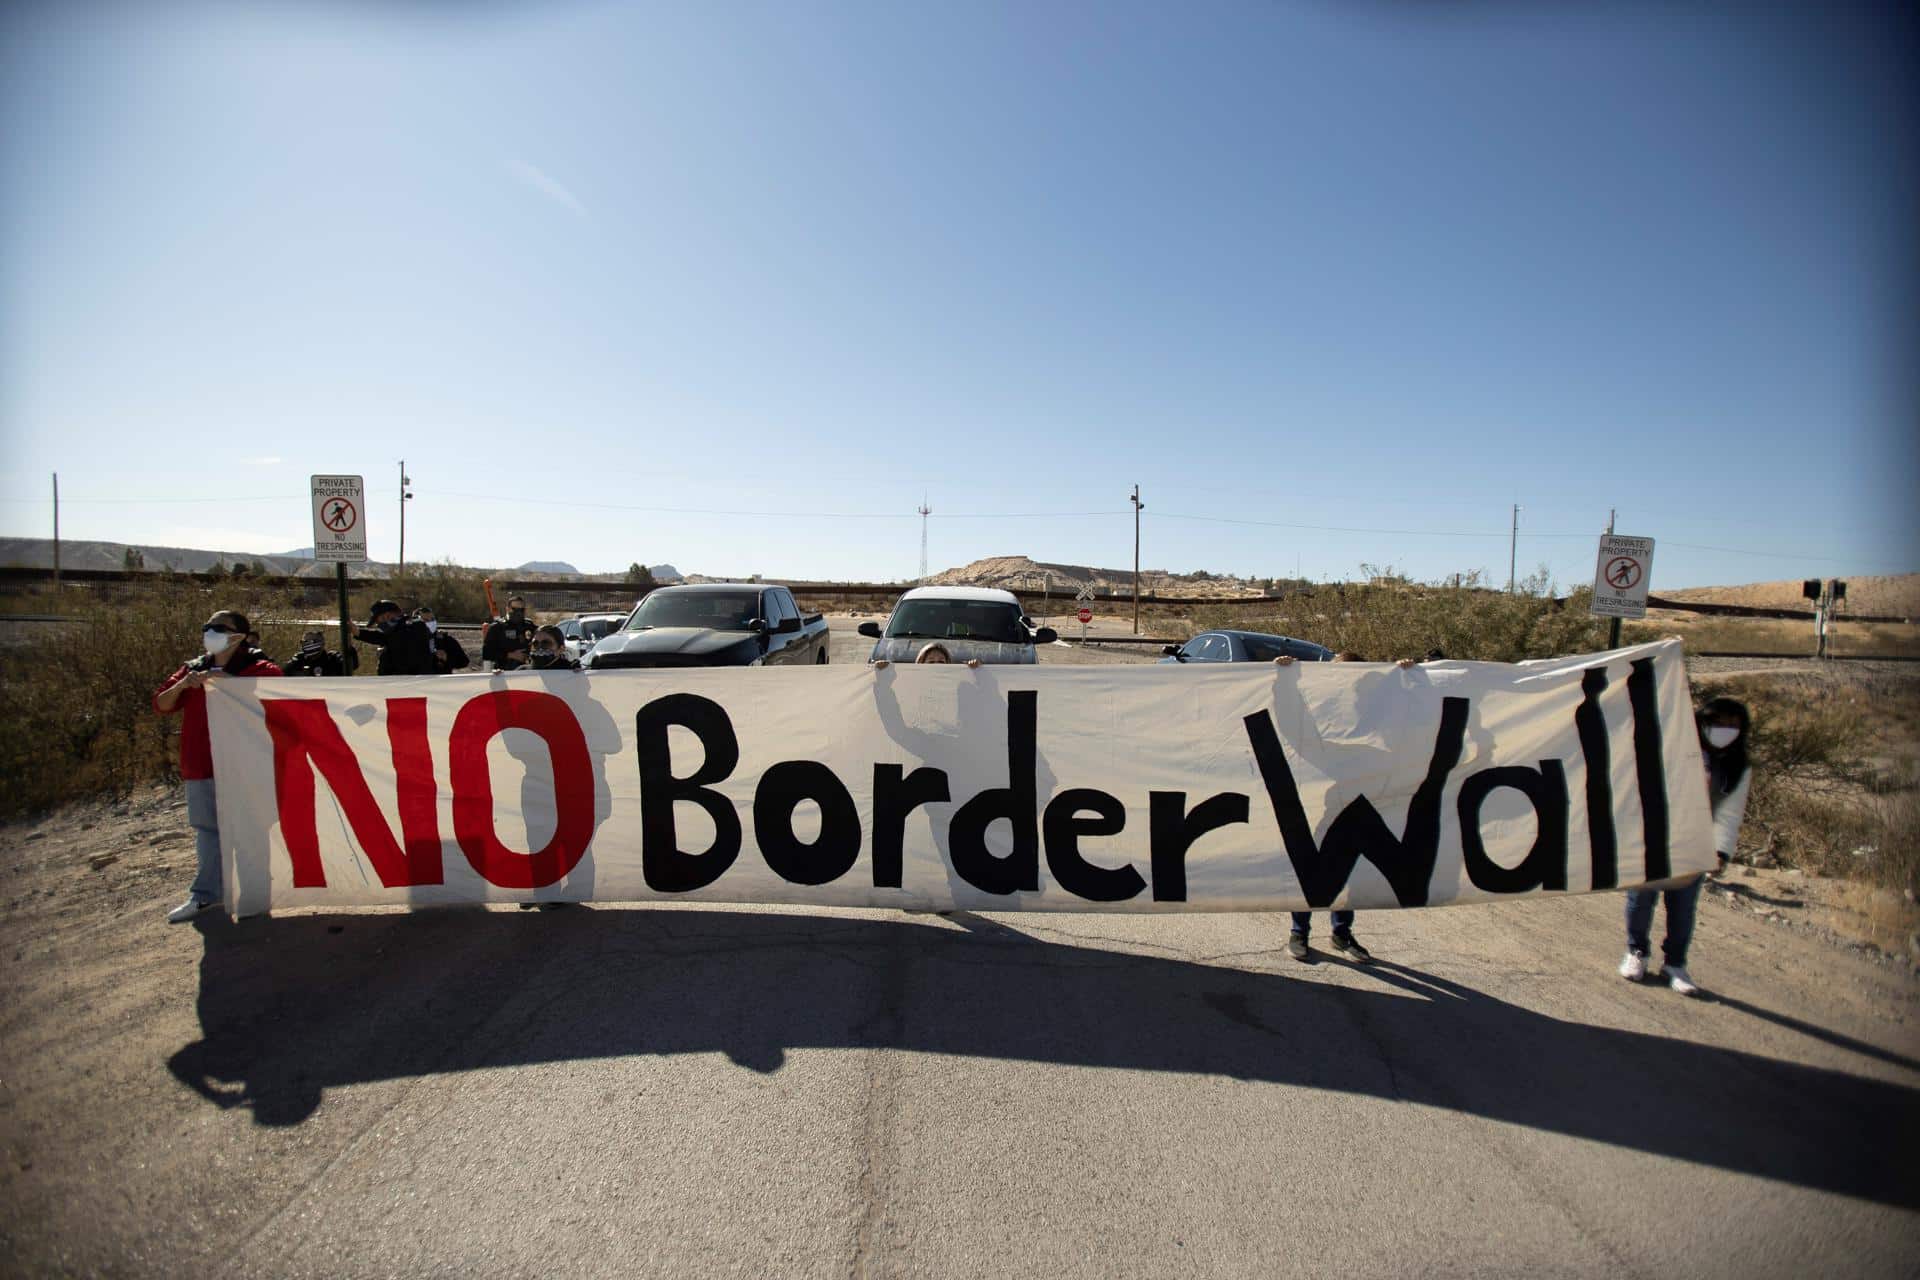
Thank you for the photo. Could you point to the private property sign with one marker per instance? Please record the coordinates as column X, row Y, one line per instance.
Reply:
column 1244, row 787
column 1620, row 578
column 339, row 519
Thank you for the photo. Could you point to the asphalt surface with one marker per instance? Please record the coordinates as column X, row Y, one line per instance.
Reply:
column 678, row 1090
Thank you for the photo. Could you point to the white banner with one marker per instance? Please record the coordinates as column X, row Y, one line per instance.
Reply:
column 1119, row 788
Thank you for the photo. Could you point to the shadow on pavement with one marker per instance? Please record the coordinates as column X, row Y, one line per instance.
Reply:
column 289, row 1008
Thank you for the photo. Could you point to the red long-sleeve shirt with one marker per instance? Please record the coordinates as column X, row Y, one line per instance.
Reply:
column 196, row 748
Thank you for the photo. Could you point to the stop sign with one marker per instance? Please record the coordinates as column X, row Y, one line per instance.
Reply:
column 1086, row 615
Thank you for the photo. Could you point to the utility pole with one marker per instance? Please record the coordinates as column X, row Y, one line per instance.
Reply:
column 1513, row 548
column 925, row 510
column 56, row 533
column 1613, row 624
column 1138, row 507
column 404, row 495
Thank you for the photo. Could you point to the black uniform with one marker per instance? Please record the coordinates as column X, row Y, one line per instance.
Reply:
column 407, row 650
column 325, row 662
column 448, row 654
column 503, row 637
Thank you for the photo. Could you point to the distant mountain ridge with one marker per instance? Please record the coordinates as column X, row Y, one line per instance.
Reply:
column 37, row 553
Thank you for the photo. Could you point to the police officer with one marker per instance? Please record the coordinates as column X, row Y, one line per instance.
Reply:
column 449, row 655
column 509, row 638
column 315, row 659
column 406, row 646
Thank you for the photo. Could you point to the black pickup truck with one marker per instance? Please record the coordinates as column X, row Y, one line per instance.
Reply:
column 714, row 624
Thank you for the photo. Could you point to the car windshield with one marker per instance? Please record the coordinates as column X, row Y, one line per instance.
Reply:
column 594, row 628
column 719, row 610
column 958, row 620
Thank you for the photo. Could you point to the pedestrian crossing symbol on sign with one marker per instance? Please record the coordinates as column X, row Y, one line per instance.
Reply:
column 339, row 537
column 1620, row 578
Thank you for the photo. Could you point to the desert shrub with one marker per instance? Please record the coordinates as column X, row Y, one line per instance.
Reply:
column 456, row 594
column 76, row 697
column 1396, row 620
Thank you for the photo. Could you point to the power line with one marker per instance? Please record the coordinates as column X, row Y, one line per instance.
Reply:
column 1336, row 528
column 299, row 499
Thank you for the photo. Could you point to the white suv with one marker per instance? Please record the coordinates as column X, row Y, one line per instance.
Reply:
column 968, row 622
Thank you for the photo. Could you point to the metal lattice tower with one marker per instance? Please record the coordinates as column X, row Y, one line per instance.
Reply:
column 924, row 511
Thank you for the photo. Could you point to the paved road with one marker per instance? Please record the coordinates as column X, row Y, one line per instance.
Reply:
column 696, row 1091
column 617, row 1091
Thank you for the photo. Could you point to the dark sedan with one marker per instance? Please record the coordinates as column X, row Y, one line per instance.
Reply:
column 1245, row 646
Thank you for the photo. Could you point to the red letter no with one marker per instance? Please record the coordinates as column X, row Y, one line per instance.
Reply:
column 305, row 738
column 549, row 717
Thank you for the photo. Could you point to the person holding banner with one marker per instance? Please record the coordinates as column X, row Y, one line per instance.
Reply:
column 1343, row 940
column 549, row 649
column 1724, row 725
column 227, row 653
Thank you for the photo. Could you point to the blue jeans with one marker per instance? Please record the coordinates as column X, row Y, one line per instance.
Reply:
column 1303, row 922
column 208, row 885
column 1682, row 904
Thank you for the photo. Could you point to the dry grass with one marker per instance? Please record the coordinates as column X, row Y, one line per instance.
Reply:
column 1836, row 790
column 1705, row 634
column 76, row 701
column 1383, row 622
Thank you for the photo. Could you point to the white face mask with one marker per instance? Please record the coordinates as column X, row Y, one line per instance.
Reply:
column 1721, row 736
column 432, row 626
column 216, row 642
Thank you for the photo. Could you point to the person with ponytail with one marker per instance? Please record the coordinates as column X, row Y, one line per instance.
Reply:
column 1724, row 726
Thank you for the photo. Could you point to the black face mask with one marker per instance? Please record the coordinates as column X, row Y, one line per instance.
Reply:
column 518, row 615
column 541, row 658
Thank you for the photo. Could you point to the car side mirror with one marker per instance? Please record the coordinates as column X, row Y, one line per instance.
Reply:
column 871, row 629
column 1045, row 635
column 788, row 626
column 1171, row 650
column 757, row 624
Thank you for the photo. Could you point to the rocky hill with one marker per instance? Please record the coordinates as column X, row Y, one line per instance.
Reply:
column 37, row 553
column 1021, row 571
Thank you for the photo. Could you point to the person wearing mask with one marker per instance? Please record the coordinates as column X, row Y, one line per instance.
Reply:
column 405, row 644
column 549, row 650
column 315, row 659
column 1724, row 725
column 508, row 639
column 225, row 652
column 449, row 655
column 1343, row 940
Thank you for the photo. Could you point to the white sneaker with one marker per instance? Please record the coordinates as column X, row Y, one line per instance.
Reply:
column 191, row 909
column 1680, row 981
column 1633, row 966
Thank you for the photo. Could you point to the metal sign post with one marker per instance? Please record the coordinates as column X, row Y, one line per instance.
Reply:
column 340, row 535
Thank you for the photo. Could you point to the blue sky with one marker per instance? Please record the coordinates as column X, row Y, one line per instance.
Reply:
column 1356, row 275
